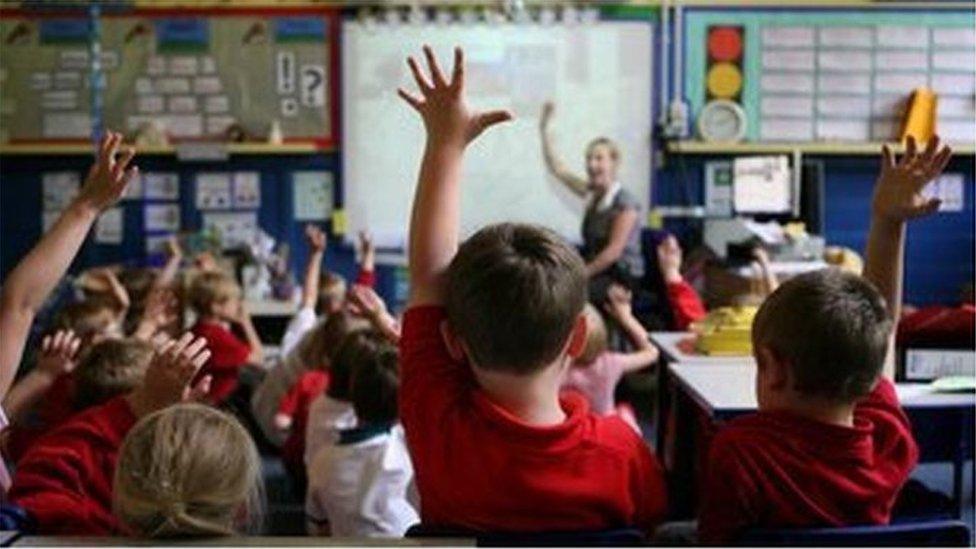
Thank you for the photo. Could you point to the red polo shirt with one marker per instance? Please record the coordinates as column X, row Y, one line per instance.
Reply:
column 65, row 479
column 480, row 467
column 228, row 355
column 774, row 469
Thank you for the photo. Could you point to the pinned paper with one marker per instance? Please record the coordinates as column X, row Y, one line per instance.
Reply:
column 109, row 228
column 233, row 229
column 216, row 104
column 161, row 185
column 312, row 194
column 59, row 189
column 761, row 184
column 948, row 188
column 247, row 190
column 313, row 86
column 156, row 244
column 68, row 124
column 162, row 217
column 133, row 191
column 213, row 191
column 40, row 81
column 340, row 223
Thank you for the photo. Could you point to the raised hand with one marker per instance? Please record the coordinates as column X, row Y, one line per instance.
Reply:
column 669, row 259
column 58, row 354
column 364, row 301
column 109, row 176
column 316, row 239
column 898, row 191
column 366, row 246
column 619, row 300
column 161, row 310
column 173, row 248
column 442, row 106
column 548, row 109
column 170, row 374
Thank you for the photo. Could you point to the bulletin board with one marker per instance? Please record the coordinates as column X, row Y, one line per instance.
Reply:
column 196, row 72
column 833, row 75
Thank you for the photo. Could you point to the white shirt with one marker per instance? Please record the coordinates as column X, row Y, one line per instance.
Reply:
column 607, row 199
column 326, row 417
column 361, row 489
column 283, row 376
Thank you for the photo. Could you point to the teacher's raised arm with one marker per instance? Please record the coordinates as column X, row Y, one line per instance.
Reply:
column 575, row 183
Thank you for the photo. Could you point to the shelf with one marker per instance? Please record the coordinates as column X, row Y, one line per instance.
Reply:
column 806, row 148
column 232, row 148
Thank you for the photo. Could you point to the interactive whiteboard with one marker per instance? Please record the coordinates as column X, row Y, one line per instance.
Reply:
column 599, row 76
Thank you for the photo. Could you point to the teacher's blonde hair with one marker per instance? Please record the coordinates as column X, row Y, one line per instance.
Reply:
column 188, row 471
column 610, row 144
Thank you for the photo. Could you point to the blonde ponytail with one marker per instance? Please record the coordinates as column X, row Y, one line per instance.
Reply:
column 188, row 471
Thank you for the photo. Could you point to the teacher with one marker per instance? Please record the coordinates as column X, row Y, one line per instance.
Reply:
column 611, row 234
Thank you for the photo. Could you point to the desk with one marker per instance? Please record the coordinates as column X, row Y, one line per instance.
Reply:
column 255, row 541
column 942, row 422
column 677, row 347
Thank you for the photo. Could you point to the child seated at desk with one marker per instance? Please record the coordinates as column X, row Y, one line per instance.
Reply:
column 830, row 445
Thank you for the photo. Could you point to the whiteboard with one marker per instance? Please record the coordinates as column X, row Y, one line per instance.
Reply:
column 599, row 76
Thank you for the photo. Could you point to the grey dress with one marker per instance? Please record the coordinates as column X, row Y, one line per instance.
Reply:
column 597, row 225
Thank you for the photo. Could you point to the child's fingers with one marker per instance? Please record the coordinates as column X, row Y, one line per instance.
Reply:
column 198, row 345
column 418, row 76
column 486, row 120
column 930, row 148
column 201, row 359
column 123, row 161
column 929, row 208
column 130, row 174
column 457, row 77
column 435, row 68
column 911, row 147
column 181, row 344
column 942, row 160
column 887, row 159
column 104, row 147
column 46, row 344
column 414, row 101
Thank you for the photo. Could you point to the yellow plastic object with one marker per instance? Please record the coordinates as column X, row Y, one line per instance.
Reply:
column 726, row 331
column 339, row 222
column 921, row 116
column 724, row 80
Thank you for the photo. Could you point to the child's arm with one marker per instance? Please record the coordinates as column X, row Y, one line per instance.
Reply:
column 287, row 407
column 251, row 335
column 367, row 265
column 364, row 301
column 317, row 243
column 898, row 199
column 29, row 284
column 769, row 282
column 118, row 291
column 619, row 307
column 436, row 209
column 685, row 302
column 174, row 255
column 160, row 311
column 57, row 357
column 555, row 166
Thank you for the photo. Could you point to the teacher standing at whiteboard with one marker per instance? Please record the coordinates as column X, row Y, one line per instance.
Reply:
column 611, row 234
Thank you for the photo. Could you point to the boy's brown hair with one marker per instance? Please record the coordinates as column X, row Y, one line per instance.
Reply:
column 357, row 347
column 112, row 367
column 513, row 294
column 88, row 317
column 596, row 336
column 318, row 348
column 332, row 287
column 375, row 378
column 212, row 287
column 832, row 327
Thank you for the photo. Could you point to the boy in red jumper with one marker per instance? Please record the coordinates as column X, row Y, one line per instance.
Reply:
column 65, row 480
column 686, row 305
column 830, row 445
column 217, row 300
column 491, row 329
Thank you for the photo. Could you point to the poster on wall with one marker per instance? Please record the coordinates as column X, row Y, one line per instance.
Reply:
column 312, row 194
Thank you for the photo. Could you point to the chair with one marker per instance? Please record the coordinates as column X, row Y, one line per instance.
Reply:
column 622, row 537
column 936, row 533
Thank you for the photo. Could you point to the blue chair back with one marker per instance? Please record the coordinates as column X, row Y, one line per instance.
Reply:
column 622, row 537
column 938, row 533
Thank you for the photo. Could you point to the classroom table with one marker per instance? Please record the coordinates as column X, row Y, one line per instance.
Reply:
column 708, row 394
column 255, row 541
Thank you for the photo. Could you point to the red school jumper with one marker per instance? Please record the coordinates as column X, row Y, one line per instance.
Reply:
column 479, row 467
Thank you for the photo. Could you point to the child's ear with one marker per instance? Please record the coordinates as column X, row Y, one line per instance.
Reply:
column 454, row 346
column 773, row 368
column 577, row 338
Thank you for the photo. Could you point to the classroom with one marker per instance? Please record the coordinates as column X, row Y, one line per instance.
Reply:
column 523, row 273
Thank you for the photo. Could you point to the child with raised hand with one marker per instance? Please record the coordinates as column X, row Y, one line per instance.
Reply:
column 57, row 357
column 686, row 305
column 359, row 484
column 596, row 371
column 30, row 283
column 830, row 445
column 188, row 471
column 490, row 331
column 64, row 482
column 216, row 298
